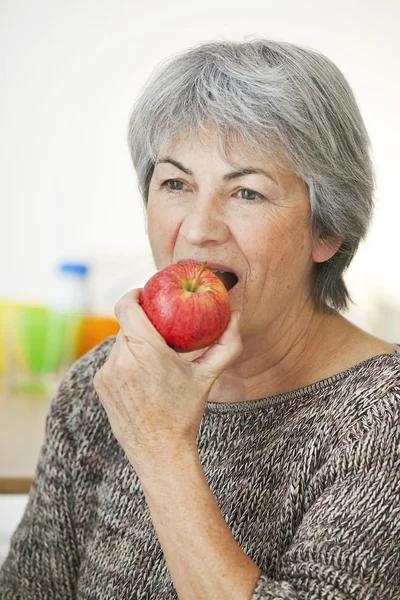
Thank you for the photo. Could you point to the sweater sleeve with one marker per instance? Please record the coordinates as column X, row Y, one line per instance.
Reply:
column 43, row 559
column 347, row 544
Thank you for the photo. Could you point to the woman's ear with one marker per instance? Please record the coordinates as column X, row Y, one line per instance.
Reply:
column 324, row 249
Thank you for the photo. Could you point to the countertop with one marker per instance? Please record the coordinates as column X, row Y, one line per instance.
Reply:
column 22, row 426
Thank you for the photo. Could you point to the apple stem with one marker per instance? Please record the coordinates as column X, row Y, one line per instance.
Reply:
column 193, row 286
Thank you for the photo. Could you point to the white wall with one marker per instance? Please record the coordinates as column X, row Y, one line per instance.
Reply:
column 70, row 71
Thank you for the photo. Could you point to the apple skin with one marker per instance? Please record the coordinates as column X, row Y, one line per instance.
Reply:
column 187, row 320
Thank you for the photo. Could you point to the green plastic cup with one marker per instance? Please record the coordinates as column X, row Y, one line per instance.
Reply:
column 47, row 343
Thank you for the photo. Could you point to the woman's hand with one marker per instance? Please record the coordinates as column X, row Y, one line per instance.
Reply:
column 153, row 397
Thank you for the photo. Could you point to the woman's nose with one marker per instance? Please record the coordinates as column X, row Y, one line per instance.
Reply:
column 204, row 225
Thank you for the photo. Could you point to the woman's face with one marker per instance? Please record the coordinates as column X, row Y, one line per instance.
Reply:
column 201, row 208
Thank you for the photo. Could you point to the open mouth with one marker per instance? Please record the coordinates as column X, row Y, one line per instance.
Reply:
column 228, row 279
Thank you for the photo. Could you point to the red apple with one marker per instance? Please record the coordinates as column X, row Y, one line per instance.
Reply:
column 188, row 305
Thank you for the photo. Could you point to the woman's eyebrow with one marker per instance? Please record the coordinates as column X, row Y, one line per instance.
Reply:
column 227, row 177
column 176, row 164
column 249, row 171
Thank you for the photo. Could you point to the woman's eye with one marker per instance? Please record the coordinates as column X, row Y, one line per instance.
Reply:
column 250, row 194
column 174, row 185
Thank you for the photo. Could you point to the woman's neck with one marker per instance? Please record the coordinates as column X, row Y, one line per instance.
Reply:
column 324, row 346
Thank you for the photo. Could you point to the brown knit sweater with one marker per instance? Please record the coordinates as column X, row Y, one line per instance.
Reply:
column 308, row 482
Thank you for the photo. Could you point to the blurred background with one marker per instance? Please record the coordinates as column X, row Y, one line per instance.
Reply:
column 72, row 237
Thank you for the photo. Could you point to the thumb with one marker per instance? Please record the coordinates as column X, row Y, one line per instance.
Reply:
column 223, row 352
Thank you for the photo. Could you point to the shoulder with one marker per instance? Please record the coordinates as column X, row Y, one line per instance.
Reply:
column 367, row 411
column 85, row 367
column 76, row 399
column 356, row 403
column 370, row 380
column 377, row 377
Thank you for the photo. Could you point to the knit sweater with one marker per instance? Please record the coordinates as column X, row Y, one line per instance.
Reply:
column 307, row 481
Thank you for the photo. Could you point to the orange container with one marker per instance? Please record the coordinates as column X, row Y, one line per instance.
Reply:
column 93, row 330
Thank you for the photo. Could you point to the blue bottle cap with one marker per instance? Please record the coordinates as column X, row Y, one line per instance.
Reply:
column 73, row 268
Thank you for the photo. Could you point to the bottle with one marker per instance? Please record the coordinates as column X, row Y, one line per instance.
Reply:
column 69, row 292
column 69, row 306
column 46, row 335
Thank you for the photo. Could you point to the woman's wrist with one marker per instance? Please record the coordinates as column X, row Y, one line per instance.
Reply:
column 163, row 465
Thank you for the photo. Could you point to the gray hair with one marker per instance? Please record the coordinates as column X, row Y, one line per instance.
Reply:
column 277, row 98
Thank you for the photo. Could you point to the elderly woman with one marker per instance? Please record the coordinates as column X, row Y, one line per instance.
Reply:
column 267, row 465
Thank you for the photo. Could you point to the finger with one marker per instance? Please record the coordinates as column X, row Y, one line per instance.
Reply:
column 223, row 352
column 134, row 323
column 124, row 346
column 119, row 361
